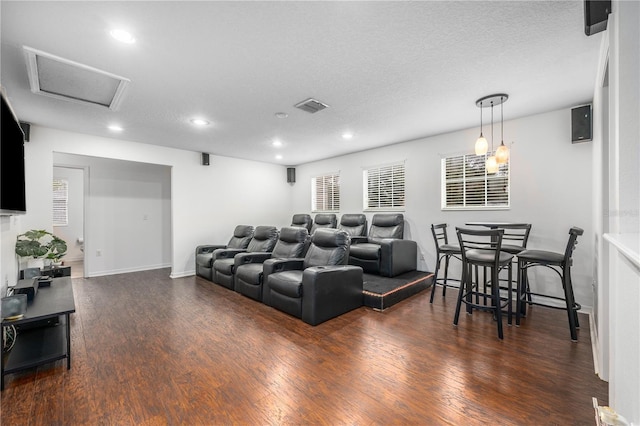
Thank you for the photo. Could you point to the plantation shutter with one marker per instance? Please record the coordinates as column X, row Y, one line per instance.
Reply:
column 385, row 187
column 325, row 192
column 60, row 202
column 467, row 185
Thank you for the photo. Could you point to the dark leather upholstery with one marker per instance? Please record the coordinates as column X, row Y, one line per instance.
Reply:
column 263, row 241
column 303, row 220
column 242, row 235
column 324, row 220
column 384, row 251
column 354, row 224
column 292, row 243
column 321, row 286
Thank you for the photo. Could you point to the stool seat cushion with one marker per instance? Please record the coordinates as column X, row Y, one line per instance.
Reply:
column 487, row 256
column 511, row 248
column 541, row 256
column 450, row 248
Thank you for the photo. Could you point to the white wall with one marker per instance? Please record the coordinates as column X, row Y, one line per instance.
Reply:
column 207, row 202
column 623, row 273
column 550, row 188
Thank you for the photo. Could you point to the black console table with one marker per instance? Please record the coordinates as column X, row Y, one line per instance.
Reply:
column 44, row 331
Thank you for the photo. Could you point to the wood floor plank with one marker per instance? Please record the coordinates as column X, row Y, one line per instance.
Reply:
column 149, row 350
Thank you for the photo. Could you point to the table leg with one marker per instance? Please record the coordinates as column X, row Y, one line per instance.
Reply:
column 68, row 325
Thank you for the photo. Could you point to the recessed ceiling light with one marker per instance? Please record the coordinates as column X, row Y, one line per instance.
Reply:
column 278, row 157
column 276, row 143
column 123, row 36
column 115, row 128
column 347, row 135
column 199, row 122
column 282, row 114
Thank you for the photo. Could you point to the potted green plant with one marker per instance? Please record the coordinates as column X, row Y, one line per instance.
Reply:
column 40, row 244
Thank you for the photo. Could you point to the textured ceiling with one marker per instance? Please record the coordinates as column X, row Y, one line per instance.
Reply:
column 389, row 71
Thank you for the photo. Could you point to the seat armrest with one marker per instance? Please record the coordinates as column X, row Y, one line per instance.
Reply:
column 245, row 258
column 272, row 266
column 397, row 256
column 358, row 239
column 208, row 248
column 225, row 253
column 329, row 291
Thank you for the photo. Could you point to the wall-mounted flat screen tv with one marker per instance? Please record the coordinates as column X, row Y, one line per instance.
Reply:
column 12, row 178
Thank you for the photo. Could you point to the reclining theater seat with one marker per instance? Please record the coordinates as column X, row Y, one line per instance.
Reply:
column 384, row 252
column 323, row 220
column 204, row 254
column 354, row 224
column 319, row 287
column 292, row 243
column 264, row 238
column 303, row 220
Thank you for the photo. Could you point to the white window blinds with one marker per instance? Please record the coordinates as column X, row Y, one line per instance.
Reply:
column 325, row 193
column 60, row 202
column 467, row 185
column 384, row 187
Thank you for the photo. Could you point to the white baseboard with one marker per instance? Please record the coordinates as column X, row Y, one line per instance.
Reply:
column 182, row 274
column 127, row 270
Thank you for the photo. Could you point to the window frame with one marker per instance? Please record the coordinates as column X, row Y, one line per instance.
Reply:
column 380, row 170
column 331, row 201
column 504, row 172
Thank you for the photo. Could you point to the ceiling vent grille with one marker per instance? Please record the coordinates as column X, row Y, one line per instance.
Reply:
column 311, row 105
column 61, row 78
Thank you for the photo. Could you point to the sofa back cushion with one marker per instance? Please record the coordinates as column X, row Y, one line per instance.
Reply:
column 292, row 242
column 328, row 247
column 264, row 239
column 241, row 237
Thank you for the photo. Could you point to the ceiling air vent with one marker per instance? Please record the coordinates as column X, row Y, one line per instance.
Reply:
column 61, row 78
column 311, row 105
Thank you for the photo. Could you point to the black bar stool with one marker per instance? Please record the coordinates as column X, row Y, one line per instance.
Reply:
column 561, row 264
column 445, row 251
column 481, row 249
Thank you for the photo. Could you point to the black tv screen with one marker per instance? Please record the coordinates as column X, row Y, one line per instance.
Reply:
column 12, row 178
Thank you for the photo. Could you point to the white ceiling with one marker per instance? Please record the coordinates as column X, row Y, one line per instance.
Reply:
column 390, row 71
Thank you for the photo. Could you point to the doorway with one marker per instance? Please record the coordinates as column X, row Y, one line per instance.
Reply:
column 69, row 201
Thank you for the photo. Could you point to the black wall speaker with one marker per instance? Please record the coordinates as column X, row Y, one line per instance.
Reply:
column 596, row 14
column 26, row 129
column 581, row 124
column 205, row 159
column 291, row 175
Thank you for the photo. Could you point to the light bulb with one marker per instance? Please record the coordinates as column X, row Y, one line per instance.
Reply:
column 481, row 145
column 491, row 165
column 502, row 154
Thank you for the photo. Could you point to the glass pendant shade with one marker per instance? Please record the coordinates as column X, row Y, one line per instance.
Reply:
column 491, row 165
column 481, row 145
column 502, row 153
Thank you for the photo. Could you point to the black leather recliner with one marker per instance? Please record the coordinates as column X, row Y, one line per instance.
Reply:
column 302, row 219
column 319, row 287
column 292, row 243
column 242, row 235
column 385, row 252
column 354, row 224
column 263, row 241
column 324, row 220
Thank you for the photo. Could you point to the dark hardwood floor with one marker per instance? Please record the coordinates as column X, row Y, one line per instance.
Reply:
column 149, row 350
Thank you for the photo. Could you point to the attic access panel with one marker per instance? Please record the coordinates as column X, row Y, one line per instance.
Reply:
column 60, row 78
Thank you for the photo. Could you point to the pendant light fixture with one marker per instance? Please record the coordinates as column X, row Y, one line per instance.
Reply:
column 481, row 142
column 492, row 162
column 502, row 153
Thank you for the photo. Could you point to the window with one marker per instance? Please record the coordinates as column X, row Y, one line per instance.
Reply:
column 384, row 187
column 467, row 185
column 60, row 202
column 325, row 193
